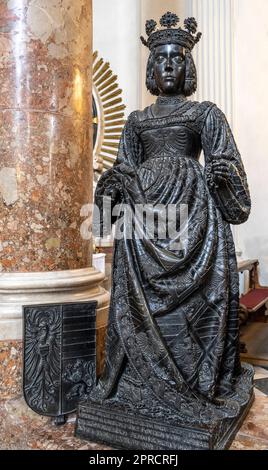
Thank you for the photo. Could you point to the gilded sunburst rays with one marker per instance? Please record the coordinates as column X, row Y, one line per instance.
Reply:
column 109, row 114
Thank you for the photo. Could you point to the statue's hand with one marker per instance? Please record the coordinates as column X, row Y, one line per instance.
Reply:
column 112, row 192
column 224, row 170
column 219, row 172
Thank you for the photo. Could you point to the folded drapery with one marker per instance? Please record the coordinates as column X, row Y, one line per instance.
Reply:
column 172, row 337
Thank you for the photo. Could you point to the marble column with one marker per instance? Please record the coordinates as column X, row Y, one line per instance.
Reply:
column 214, row 58
column 46, row 161
column 214, row 54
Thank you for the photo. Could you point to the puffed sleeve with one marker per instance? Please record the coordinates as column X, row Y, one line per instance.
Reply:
column 112, row 181
column 232, row 195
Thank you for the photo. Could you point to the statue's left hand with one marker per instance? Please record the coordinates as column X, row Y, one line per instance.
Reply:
column 223, row 170
column 113, row 193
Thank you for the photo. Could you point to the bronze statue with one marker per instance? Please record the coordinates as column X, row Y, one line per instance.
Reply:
column 173, row 377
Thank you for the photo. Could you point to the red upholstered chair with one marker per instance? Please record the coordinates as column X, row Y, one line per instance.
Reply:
column 257, row 295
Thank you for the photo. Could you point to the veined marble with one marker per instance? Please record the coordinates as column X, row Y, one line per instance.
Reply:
column 45, row 138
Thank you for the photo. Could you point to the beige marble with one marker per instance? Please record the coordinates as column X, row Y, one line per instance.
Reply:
column 256, row 423
column 253, row 434
column 22, row 429
column 10, row 369
column 18, row 289
column 243, row 442
column 260, row 373
column 45, row 165
column 45, row 134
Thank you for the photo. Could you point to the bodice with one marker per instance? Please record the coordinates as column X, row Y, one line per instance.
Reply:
column 175, row 140
column 177, row 133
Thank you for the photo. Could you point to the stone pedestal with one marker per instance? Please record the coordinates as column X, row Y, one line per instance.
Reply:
column 46, row 165
column 106, row 247
column 123, row 430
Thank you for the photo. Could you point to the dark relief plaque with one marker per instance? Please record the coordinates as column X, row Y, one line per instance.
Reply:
column 59, row 356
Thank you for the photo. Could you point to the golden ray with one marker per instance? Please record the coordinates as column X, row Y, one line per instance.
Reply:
column 110, row 144
column 102, row 71
column 112, row 137
column 111, row 80
column 109, row 89
column 107, row 158
column 97, row 66
column 109, row 115
column 114, row 129
column 116, row 123
column 112, row 95
column 109, row 151
column 114, row 110
column 112, row 103
column 95, row 55
column 103, row 78
column 107, row 165
column 114, row 116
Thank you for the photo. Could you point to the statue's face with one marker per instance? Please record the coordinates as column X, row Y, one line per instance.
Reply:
column 169, row 69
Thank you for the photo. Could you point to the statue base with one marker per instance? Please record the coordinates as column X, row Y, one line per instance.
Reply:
column 122, row 430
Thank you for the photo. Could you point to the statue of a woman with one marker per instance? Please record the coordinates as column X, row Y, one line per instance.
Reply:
column 172, row 350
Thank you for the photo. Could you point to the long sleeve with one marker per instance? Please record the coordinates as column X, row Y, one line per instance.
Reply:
column 111, row 183
column 232, row 195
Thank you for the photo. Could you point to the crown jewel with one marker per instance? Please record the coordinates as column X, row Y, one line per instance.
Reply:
column 170, row 35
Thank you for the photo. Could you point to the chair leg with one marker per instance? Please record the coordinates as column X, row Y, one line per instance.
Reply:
column 242, row 347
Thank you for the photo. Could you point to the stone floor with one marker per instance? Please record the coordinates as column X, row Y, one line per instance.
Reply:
column 21, row 428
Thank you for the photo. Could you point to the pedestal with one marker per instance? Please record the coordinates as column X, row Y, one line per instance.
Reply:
column 123, row 430
column 126, row 426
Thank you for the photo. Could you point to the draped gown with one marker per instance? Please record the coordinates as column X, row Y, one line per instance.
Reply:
column 172, row 347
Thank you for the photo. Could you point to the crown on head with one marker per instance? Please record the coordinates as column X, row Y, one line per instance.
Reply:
column 170, row 35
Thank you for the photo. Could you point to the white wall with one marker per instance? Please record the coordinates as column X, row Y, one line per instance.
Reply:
column 116, row 32
column 213, row 55
column 251, row 121
column 118, row 25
